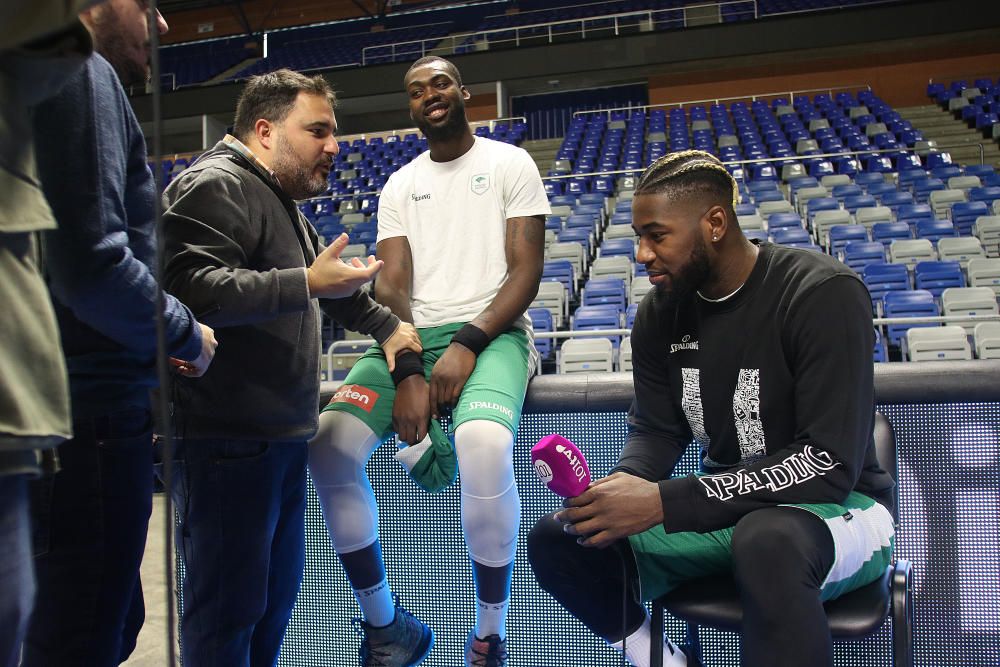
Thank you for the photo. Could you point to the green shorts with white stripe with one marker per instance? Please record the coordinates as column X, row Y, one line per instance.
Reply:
column 863, row 537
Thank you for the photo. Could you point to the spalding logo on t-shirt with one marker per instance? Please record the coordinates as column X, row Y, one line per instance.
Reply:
column 356, row 395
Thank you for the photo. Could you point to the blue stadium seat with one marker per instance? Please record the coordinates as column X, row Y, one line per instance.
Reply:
column 589, row 318
column 852, row 204
column 936, row 277
column 867, row 179
column 880, row 353
column 923, row 187
column 840, row 235
column 934, row 229
column 937, row 159
column 563, row 200
column 859, row 254
column 561, row 270
column 883, row 278
column 911, row 213
column 604, row 292
column 582, row 235
column 618, row 246
column 964, row 214
column 912, row 303
column 987, row 194
column 813, row 206
column 842, row 192
column 541, row 320
column 594, row 198
column 630, row 313
column 791, row 236
column 886, row 232
column 783, row 221
column 587, row 220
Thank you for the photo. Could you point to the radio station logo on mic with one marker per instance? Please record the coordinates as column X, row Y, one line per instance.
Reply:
column 543, row 471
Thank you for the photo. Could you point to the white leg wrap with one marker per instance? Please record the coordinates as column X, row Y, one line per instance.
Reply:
column 337, row 457
column 491, row 508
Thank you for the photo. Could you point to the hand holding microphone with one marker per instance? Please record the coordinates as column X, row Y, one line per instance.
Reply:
column 610, row 509
column 560, row 465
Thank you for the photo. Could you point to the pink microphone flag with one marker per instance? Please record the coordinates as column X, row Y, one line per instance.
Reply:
column 560, row 465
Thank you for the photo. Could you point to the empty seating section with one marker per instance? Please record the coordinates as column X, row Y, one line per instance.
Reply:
column 403, row 36
column 923, row 234
column 977, row 105
column 913, row 225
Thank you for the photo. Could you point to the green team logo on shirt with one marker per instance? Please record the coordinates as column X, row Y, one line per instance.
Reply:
column 480, row 183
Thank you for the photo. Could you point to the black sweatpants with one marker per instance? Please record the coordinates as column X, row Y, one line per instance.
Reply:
column 781, row 556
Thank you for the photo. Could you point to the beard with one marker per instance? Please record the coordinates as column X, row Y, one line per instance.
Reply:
column 690, row 277
column 298, row 180
column 112, row 43
column 452, row 128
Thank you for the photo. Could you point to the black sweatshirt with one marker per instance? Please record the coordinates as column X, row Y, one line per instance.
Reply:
column 236, row 252
column 774, row 383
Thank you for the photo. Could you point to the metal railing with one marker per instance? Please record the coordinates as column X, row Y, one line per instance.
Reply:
column 550, row 31
column 352, row 348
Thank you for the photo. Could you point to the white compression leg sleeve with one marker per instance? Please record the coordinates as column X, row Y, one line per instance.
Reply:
column 337, row 457
column 491, row 508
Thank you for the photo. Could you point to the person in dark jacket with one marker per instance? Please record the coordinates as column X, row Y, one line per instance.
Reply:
column 242, row 256
column 91, row 517
column 761, row 354
column 42, row 45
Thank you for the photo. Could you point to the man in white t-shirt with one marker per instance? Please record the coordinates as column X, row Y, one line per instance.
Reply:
column 461, row 232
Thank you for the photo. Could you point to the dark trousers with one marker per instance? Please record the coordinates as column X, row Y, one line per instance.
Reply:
column 17, row 583
column 242, row 534
column 90, row 522
column 780, row 558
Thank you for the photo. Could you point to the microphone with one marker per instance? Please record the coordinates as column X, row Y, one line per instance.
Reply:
column 560, row 465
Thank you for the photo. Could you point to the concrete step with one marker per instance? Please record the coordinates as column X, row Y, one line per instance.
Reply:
column 953, row 136
column 543, row 152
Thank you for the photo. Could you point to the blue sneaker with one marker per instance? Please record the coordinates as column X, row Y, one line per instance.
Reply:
column 403, row 643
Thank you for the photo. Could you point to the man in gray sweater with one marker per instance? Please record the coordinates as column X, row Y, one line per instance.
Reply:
column 246, row 261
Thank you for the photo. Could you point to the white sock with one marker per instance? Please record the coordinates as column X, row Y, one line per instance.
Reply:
column 491, row 618
column 637, row 649
column 377, row 605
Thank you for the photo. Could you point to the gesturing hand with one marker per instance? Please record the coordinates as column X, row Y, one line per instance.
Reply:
column 411, row 412
column 612, row 508
column 448, row 377
column 332, row 278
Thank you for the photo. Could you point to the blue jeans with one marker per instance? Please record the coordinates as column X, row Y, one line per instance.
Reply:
column 242, row 534
column 90, row 522
column 17, row 584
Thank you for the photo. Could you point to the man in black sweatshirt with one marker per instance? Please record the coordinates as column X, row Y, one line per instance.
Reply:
column 760, row 354
column 242, row 256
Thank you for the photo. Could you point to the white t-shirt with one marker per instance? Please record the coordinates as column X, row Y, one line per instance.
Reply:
column 454, row 216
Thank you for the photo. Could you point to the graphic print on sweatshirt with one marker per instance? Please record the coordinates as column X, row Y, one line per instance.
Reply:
column 691, row 404
column 746, row 415
column 746, row 412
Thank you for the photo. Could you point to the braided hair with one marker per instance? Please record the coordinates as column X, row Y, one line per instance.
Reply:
column 686, row 173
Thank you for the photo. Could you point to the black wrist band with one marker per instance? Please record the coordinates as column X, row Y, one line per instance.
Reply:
column 408, row 363
column 472, row 337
